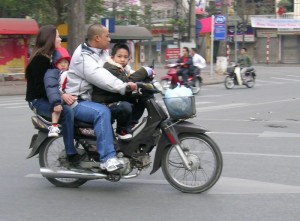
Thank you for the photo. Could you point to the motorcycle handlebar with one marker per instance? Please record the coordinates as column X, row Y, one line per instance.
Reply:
column 147, row 87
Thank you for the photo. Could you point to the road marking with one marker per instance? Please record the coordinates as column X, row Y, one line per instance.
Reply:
column 296, row 76
column 265, row 134
column 286, row 79
column 261, row 154
column 12, row 100
column 230, row 185
column 279, row 134
column 9, row 104
column 233, row 133
column 251, row 120
column 220, row 107
column 14, row 107
column 225, row 185
column 271, row 82
column 238, row 105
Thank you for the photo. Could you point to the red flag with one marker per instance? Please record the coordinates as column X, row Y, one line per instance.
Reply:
column 205, row 24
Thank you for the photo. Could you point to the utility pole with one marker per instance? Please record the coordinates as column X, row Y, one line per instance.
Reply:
column 148, row 10
column 222, row 46
column 192, row 21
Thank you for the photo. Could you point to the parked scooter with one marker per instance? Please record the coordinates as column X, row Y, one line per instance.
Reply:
column 190, row 160
column 234, row 76
column 171, row 80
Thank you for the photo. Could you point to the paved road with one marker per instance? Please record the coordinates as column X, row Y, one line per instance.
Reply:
column 257, row 130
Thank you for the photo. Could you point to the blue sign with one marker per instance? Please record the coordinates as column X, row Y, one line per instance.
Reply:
column 158, row 46
column 220, row 28
column 109, row 23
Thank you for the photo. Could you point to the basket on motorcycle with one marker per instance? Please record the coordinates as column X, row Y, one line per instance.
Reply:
column 181, row 107
column 230, row 69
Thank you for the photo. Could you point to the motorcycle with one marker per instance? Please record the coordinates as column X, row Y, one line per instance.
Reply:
column 233, row 77
column 190, row 160
column 171, row 80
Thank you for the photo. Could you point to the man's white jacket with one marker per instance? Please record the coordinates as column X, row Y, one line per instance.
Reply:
column 86, row 69
column 199, row 61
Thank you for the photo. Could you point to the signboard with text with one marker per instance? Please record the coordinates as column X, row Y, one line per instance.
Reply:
column 172, row 53
column 220, row 28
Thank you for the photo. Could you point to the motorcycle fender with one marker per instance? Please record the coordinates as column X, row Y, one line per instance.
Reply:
column 181, row 127
column 36, row 142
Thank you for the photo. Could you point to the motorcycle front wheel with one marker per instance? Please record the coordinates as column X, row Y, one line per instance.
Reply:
column 229, row 82
column 51, row 155
column 204, row 157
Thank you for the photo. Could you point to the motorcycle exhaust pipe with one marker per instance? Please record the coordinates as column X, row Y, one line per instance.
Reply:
column 77, row 174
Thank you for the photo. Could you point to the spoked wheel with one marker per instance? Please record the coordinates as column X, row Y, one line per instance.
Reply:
column 166, row 84
column 229, row 82
column 52, row 155
column 250, row 81
column 205, row 159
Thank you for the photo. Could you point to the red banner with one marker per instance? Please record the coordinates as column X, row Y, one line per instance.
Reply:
column 172, row 53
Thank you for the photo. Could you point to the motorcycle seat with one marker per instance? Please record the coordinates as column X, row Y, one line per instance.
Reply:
column 82, row 124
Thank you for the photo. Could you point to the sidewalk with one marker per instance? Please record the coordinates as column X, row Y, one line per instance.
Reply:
column 19, row 87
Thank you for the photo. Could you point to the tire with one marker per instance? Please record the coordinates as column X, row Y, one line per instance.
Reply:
column 50, row 156
column 166, row 84
column 206, row 159
column 250, row 81
column 229, row 82
column 197, row 88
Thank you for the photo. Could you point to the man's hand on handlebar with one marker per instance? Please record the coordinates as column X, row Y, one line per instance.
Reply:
column 132, row 86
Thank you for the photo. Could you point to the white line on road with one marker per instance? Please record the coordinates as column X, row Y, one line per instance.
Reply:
column 225, row 185
column 14, row 107
column 286, row 79
column 220, row 107
column 272, row 82
column 238, row 105
column 296, row 76
column 265, row 134
column 9, row 104
column 261, row 154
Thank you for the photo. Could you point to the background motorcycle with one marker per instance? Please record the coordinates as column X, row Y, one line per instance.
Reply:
column 171, row 80
column 233, row 77
column 190, row 160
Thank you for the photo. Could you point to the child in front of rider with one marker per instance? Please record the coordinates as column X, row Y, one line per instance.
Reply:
column 124, row 108
column 55, row 80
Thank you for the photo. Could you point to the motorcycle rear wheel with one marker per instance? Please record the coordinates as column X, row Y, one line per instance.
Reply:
column 229, row 82
column 49, row 155
column 197, row 87
column 205, row 159
column 250, row 81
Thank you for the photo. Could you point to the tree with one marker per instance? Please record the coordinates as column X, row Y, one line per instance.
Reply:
column 45, row 11
column 76, row 23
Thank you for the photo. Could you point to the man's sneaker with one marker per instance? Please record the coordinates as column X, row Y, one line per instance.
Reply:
column 53, row 131
column 123, row 135
column 75, row 159
column 111, row 164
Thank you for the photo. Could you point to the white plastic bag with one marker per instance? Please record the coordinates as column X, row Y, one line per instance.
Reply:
column 178, row 92
column 178, row 102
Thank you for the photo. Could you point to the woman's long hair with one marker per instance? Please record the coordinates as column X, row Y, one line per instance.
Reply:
column 45, row 42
